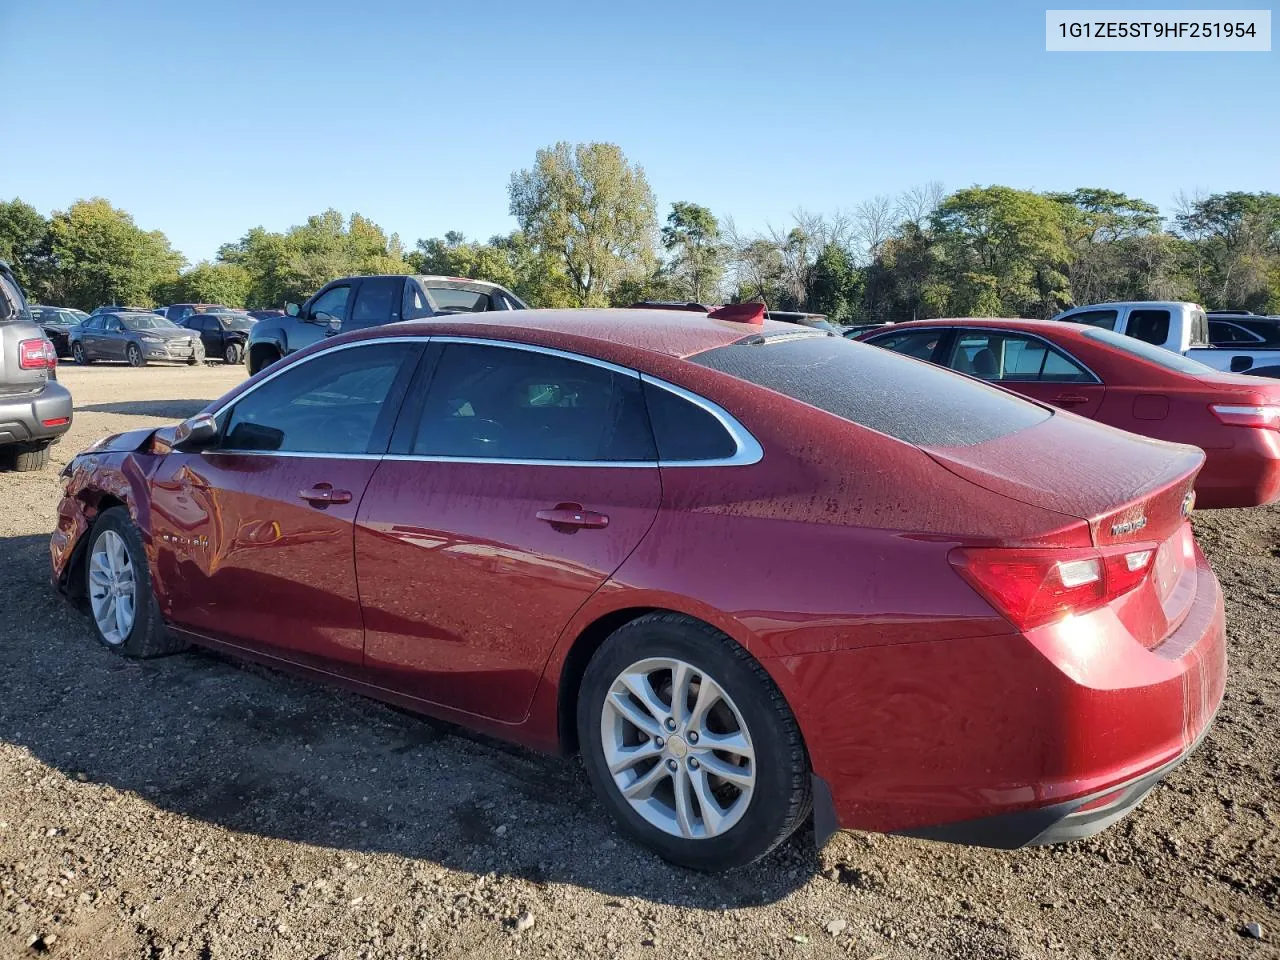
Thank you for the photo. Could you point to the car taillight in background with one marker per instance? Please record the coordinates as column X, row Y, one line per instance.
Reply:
column 1241, row 415
column 37, row 355
column 1033, row 587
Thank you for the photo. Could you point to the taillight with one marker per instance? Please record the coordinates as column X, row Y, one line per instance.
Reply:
column 1032, row 587
column 1241, row 415
column 37, row 355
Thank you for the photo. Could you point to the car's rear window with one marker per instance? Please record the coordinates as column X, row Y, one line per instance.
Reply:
column 913, row 401
column 1149, row 352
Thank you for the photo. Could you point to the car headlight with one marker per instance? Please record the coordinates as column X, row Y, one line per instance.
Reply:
column 146, row 339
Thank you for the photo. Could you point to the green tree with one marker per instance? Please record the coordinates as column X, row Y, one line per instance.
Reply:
column 590, row 208
column 225, row 283
column 1108, row 235
column 1234, row 249
column 1005, row 251
column 834, row 283
column 22, row 236
column 692, row 237
column 292, row 265
column 97, row 255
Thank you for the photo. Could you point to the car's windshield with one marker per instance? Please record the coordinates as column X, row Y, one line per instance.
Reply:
column 1149, row 352
column 138, row 321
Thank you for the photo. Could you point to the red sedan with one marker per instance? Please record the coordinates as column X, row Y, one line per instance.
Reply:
column 1123, row 382
column 748, row 570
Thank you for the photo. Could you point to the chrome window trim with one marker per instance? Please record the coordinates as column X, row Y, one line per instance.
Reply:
column 748, row 450
column 1097, row 380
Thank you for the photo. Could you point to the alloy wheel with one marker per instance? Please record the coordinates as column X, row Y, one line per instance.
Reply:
column 134, row 356
column 77, row 353
column 678, row 748
column 112, row 587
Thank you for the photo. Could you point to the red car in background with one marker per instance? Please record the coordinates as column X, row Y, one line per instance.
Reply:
column 1123, row 382
column 746, row 569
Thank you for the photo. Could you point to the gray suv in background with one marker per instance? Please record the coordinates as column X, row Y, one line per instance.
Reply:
column 35, row 410
column 354, row 303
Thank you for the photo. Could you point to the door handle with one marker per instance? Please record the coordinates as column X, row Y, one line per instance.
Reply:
column 1070, row 400
column 573, row 515
column 323, row 494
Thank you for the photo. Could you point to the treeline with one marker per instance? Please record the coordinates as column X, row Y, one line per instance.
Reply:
column 589, row 234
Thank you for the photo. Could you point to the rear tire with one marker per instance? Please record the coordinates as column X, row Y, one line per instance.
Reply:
column 739, row 802
column 32, row 458
column 117, row 585
column 134, row 355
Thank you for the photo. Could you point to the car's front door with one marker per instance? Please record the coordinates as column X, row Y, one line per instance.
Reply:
column 114, row 339
column 254, row 534
column 1028, row 365
column 518, row 482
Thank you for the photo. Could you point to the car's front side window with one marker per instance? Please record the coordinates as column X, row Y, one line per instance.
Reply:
column 332, row 304
column 337, row 403
column 503, row 403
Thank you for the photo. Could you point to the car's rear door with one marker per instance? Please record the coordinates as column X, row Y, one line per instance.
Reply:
column 1028, row 365
column 519, row 479
column 254, row 535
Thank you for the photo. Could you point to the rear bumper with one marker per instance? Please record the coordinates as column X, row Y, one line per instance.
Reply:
column 22, row 419
column 1247, row 475
column 1057, row 823
column 1010, row 740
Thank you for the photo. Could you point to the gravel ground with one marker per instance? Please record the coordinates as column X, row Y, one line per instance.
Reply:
column 191, row 807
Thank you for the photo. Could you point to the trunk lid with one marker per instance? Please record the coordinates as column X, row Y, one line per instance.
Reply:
column 1132, row 491
column 1128, row 488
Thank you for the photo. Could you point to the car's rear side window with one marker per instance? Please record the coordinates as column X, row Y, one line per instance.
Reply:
column 1150, row 326
column 915, row 402
column 683, row 430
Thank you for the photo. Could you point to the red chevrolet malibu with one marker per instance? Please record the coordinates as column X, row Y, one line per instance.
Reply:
column 747, row 570
column 1127, row 383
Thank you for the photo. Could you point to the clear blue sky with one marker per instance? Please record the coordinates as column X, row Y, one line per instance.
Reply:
column 206, row 118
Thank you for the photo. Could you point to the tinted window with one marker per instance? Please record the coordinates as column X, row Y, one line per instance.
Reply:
column 1152, row 354
column 415, row 302
column 1222, row 332
column 449, row 300
column 12, row 303
column 1012, row 356
column 332, row 303
column 1150, row 326
column 876, row 388
column 1106, row 319
column 684, row 430
column 504, row 403
column 377, row 302
column 94, row 323
column 914, row 343
column 327, row 405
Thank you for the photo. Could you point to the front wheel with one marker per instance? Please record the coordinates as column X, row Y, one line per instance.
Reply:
column 231, row 353
column 126, row 617
column 690, row 745
column 134, row 355
column 78, row 354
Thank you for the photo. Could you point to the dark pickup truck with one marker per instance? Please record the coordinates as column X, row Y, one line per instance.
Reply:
column 354, row 303
column 35, row 410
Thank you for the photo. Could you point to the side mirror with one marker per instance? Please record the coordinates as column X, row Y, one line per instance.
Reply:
column 292, row 309
column 196, row 431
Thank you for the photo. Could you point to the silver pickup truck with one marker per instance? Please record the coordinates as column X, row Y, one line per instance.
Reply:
column 1181, row 327
column 35, row 410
